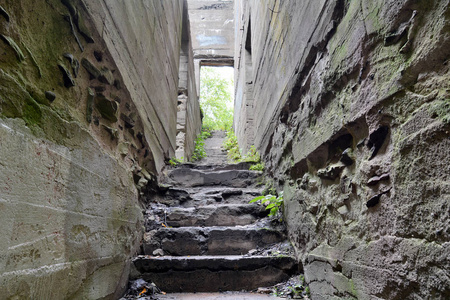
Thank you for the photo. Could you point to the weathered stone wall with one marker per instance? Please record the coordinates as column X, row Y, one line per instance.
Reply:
column 352, row 117
column 88, row 105
column 189, row 121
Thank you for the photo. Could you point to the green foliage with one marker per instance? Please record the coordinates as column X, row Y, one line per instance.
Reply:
column 234, row 154
column 199, row 149
column 252, row 156
column 216, row 100
column 307, row 291
column 441, row 109
column 274, row 203
column 257, row 167
column 301, row 278
column 231, row 145
column 269, row 190
column 296, row 290
column 175, row 161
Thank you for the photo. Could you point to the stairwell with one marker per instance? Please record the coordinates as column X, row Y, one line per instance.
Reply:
column 203, row 236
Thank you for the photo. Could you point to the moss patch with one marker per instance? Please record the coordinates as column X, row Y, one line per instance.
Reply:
column 441, row 109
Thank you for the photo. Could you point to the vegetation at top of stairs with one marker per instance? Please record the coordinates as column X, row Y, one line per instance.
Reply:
column 231, row 145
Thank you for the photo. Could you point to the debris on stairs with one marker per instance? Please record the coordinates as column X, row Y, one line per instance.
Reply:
column 203, row 236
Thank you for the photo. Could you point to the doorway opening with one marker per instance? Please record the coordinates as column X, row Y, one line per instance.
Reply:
column 217, row 97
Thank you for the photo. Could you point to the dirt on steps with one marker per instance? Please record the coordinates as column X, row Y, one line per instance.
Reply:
column 203, row 236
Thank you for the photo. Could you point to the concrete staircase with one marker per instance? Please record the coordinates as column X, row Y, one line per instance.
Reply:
column 201, row 233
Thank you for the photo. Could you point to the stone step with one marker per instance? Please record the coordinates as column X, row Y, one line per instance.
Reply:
column 195, row 197
column 216, row 167
column 214, row 215
column 213, row 273
column 218, row 296
column 236, row 240
column 186, row 177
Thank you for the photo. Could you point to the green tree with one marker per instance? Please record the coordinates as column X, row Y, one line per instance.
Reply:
column 216, row 101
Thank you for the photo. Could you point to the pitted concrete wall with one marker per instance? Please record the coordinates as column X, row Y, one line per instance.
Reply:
column 144, row 38
column 88, row 95
column 352, row 117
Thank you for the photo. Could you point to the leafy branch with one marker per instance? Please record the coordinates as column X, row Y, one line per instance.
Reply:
column 275, row 203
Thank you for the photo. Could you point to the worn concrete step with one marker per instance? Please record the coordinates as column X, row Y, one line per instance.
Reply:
column 218, row 296
column 209, row 240
column 214, row 215
column 216, row 167
column 214, row 273
column 201, row 196
column 186, row 177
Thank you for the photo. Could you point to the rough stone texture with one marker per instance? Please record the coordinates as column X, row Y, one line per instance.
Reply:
column 352, row 119
column 215, row 215
column 221, row 273
column 229, row 178
column 72, row 166
column 213, row 240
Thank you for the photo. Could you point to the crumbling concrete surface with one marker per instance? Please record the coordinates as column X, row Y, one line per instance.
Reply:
column 88, row 96
column 352, row 118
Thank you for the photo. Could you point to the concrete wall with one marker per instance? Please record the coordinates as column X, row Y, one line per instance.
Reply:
column 88, row 107
column 144, row 38
column 243, row 122
column 189, row 121
column 212, row 23
column 352, row 118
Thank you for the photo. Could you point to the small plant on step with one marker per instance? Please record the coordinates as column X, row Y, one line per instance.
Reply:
column 199, row 149
column 234, row 153
column 175, row 161
column 275, row 203
column 230, row 144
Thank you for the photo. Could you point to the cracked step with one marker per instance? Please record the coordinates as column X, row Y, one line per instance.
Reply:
column 214, row 273
column 215, row 215
column 209, row 240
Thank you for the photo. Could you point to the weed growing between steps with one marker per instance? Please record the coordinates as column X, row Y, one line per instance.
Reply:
column 234, row 153
column 272, row 203
column 294, row 288
column 199, row 150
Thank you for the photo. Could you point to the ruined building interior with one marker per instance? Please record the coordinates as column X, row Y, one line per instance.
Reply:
column 347, row 102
